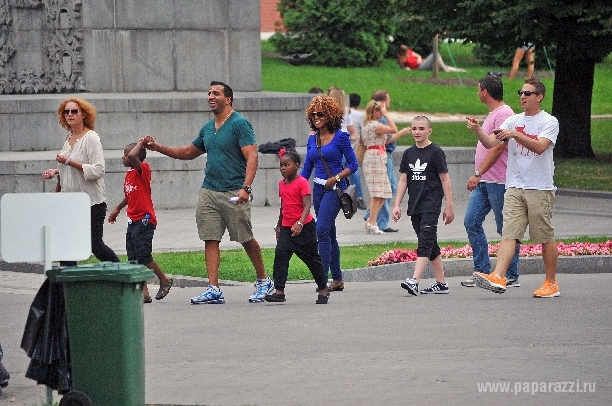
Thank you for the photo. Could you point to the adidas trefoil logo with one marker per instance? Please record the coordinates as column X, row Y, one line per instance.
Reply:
column 417, row 169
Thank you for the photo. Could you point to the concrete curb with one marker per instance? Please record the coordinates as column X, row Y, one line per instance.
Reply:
column 597, row 194
column 464, row 267
column 581, row 264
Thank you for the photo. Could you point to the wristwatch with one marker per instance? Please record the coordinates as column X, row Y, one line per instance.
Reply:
column 248, row 189
column 477, row 174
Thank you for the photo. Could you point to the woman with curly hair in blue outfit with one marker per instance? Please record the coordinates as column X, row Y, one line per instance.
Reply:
column 328, row 144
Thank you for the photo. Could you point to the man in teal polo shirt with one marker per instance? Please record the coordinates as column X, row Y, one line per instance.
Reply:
column 231, row 162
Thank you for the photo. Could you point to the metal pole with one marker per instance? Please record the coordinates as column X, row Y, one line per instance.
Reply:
column 48, row 265
column 434, row 67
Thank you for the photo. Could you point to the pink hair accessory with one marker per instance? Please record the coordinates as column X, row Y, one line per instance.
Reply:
column 281, row 152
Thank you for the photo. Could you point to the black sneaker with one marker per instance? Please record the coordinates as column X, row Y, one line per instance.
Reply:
column 390, row 230
column 275, row 297
column 436, row 288
column 361, row 204
column 513, row 283
column 411, row 285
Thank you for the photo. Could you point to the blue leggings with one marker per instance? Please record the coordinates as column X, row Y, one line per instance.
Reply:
column 327, row 206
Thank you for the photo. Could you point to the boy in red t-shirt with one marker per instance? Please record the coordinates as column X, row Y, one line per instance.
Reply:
column 141, row 216
column 296, row 231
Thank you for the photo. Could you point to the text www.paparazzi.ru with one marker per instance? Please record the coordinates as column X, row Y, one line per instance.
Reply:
column 536, row 387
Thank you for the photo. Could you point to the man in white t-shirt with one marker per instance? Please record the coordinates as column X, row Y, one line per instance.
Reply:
column 529, row 196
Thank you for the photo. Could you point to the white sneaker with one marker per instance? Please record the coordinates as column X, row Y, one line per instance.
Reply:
column 468, row 283
column 411, row 285
column 263, row 287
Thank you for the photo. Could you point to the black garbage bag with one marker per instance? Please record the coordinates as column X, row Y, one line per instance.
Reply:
column 274, row 147
column 45, row 339
column 4, row 375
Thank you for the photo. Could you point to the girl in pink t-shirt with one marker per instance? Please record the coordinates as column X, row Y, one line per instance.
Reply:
column 296, row 231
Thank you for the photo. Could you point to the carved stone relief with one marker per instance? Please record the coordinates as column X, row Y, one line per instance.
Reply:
column 40, row 46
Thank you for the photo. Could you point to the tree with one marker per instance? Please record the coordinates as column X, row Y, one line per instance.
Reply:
column 335, row 32
column 581, row 31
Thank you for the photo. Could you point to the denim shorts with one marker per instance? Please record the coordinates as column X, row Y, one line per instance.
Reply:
column 139, row 242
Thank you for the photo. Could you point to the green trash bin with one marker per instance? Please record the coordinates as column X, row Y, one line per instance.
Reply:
column 106, row 330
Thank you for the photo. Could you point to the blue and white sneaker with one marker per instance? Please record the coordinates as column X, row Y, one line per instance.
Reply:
column 263, row 287
column 436, row 288
column 212, row 295
column 411, row 285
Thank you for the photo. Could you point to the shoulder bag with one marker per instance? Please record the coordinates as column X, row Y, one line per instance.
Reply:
column 348, row 197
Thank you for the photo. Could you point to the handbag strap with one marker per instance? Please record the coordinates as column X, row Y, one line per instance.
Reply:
column 338, row 191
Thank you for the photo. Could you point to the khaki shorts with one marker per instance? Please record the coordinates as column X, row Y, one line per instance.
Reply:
column 215, row 214
column 524, row 207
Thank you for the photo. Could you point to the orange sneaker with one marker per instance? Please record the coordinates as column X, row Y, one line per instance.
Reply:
column 548, row 289
column 492, row 282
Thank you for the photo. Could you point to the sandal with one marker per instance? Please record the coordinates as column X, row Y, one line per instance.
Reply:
column 275, row 297
column 163, row 292
column 147, row 299
column 336, row 286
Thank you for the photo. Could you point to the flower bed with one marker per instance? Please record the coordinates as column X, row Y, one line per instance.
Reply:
column 530, row 250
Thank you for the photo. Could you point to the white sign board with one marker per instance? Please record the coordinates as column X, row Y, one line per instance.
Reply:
column 27, row 217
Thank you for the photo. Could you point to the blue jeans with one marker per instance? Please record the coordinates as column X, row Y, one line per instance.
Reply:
column 486, row 197
column 327, row 206
column 382, row 221
column 354, row 179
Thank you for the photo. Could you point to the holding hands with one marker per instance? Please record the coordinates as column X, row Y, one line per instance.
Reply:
column 149, row 143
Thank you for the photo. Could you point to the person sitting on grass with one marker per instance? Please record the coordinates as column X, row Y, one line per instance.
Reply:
column 410, row 60
column 141, row 216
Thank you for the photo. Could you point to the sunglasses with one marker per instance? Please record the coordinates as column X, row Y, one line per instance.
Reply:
column 526, row 93
column 317, row 114
column 73, row 112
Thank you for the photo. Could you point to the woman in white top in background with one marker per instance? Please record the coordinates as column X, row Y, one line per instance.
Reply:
column 347, row 122
column 81, row 168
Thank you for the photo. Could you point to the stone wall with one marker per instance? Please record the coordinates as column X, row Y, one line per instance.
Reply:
column 175, row 183
column 128, row 46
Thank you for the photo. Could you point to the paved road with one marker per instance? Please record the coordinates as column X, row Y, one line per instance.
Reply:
column 371, row 345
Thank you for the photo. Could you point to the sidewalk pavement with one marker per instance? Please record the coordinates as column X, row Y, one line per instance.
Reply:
column 590, row 213
column 373, row 343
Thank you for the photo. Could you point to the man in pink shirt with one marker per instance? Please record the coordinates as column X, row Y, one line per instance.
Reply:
column 487, row 184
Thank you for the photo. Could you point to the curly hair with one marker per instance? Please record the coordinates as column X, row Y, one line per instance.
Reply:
column 292, row 154
column 328, row 106
column 142, row 154
column 88, row 110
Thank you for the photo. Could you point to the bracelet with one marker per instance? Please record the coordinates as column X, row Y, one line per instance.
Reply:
column 67, row 161
column 337, row 177
column 300, row 223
